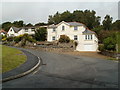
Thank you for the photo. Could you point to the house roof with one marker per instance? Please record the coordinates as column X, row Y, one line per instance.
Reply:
column 3, row 31
column 16, row 29
column 87, row 31
column 52, row 26
column 75, row 23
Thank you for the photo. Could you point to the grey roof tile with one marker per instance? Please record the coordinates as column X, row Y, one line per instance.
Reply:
column 87, row 31
column 75, row 24
column 16, row 29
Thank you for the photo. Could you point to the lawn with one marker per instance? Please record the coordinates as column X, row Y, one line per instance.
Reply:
column 11, row 58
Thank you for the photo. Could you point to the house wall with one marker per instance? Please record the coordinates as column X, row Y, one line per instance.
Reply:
column 21, row 32
column 70, row 32
column 11, row 32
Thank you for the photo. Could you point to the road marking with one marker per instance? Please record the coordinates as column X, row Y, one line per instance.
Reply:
column 36, row 71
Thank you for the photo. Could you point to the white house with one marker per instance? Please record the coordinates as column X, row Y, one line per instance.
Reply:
column 14, row 31
column 87, row 39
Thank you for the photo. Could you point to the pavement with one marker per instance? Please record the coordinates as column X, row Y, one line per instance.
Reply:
column 32, row 60
column 67, row 71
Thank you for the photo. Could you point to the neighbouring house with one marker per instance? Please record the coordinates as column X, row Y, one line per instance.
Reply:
column 14, row 31
column 87, row 40
column 3, row 32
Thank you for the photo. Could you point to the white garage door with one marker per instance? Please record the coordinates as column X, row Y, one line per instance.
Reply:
column 88, row 47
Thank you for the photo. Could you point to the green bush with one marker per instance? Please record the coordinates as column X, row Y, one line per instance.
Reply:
column 101, row 47
column 41, row 34
column 64, row 39
column 76, row 43
column 18, row 38
column 10, row 39
column 110, row 43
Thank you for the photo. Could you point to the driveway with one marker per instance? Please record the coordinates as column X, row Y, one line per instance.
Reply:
column 66, row 71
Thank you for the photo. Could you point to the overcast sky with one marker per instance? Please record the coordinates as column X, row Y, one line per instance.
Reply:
column 34, row 12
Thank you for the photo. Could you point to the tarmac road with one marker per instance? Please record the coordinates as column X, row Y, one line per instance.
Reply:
column 66, row 71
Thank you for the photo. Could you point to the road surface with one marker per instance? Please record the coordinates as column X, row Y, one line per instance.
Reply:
column 66, row 71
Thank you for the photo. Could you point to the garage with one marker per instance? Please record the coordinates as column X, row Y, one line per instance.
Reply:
column 88, row 47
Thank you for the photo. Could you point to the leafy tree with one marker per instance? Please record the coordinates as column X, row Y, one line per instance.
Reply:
column 87, row 17
column 6, row 25
column 66, row 16
column 40, row 24
column 116, row 25
column 41, row 34
column 107, row 22
column 64, row 39
column 29, row 25
column 18, row 23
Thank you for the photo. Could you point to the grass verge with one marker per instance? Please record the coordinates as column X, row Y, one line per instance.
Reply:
column 11, row 58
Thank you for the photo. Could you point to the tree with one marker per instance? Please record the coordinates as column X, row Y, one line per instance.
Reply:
column 40, row 24
column 87, row 17
column 6, row 25
column 107, row 22
column 29, row 25
column 116, row 25
column 41, row 34
column 18, row 23
column 66, row 16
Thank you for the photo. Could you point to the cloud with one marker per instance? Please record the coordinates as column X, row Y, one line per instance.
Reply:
column 33, row 12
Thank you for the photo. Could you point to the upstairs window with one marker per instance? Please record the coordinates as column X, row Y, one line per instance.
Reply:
column 32, row 29
column 75, row 28
column 26, row 30
column 75, row 37
column 54, row 29
column 88, row 37
column 63, row 28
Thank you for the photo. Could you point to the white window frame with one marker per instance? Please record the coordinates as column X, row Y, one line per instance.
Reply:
column 63, row 28
column 89, row 37
column 54, row 29
column 75, row 37
column 32, row 29
column 53, row 38
column 75, row 28
column 26, row 30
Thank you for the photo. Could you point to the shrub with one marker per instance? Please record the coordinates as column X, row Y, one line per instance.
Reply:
column 41, row 34
column 110, row 43
column 10, row 38
column 64, row 39
column 76, row 43
column 101, row 47
column 18, row 38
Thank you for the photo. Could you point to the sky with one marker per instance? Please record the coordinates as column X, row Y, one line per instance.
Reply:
column 34, row 11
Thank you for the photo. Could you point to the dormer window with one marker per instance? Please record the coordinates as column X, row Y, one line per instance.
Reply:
column 63, row 28
column 75, row 28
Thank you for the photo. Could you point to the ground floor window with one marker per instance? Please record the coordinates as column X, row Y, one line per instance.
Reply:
column 53, row 38
column 88, row 37
column 75, row 37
